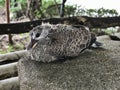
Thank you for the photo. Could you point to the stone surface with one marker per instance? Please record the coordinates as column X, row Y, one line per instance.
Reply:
column 94, row 69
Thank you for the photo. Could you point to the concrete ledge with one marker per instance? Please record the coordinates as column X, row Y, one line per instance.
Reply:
column 95, row 69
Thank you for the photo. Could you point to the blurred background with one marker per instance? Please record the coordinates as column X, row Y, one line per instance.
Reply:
column 29, row 10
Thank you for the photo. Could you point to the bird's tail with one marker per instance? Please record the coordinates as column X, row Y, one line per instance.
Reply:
column 94, row 41
column 115, row 38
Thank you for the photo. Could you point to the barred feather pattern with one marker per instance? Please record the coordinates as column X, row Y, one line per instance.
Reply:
column 61, row 41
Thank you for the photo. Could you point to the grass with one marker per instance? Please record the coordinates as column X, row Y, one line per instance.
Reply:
column 11, row 48
column 20, row 43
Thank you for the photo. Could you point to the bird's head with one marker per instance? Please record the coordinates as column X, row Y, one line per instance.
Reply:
column 41, row 34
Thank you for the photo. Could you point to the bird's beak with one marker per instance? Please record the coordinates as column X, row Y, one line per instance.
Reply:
column 32, row 44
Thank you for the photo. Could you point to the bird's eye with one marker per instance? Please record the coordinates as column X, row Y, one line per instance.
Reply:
column 31, row 34
column 37, row 35
column 51, row 30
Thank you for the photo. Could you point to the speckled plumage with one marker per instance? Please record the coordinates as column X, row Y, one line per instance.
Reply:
column 59, row 41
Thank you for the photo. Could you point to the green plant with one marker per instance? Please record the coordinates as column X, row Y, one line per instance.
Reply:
column 50, row 8
column 70, row 10
column 18, row 8
column 2, row 3
column 18, row 5
column 12, row 48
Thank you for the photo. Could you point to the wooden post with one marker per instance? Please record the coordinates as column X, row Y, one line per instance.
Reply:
column 62, row 8
column 7, row 4
column 10, row 84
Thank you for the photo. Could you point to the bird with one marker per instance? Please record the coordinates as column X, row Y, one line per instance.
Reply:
column 52, row 42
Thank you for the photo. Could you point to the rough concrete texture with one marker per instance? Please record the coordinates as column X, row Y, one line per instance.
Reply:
column 94, row 69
